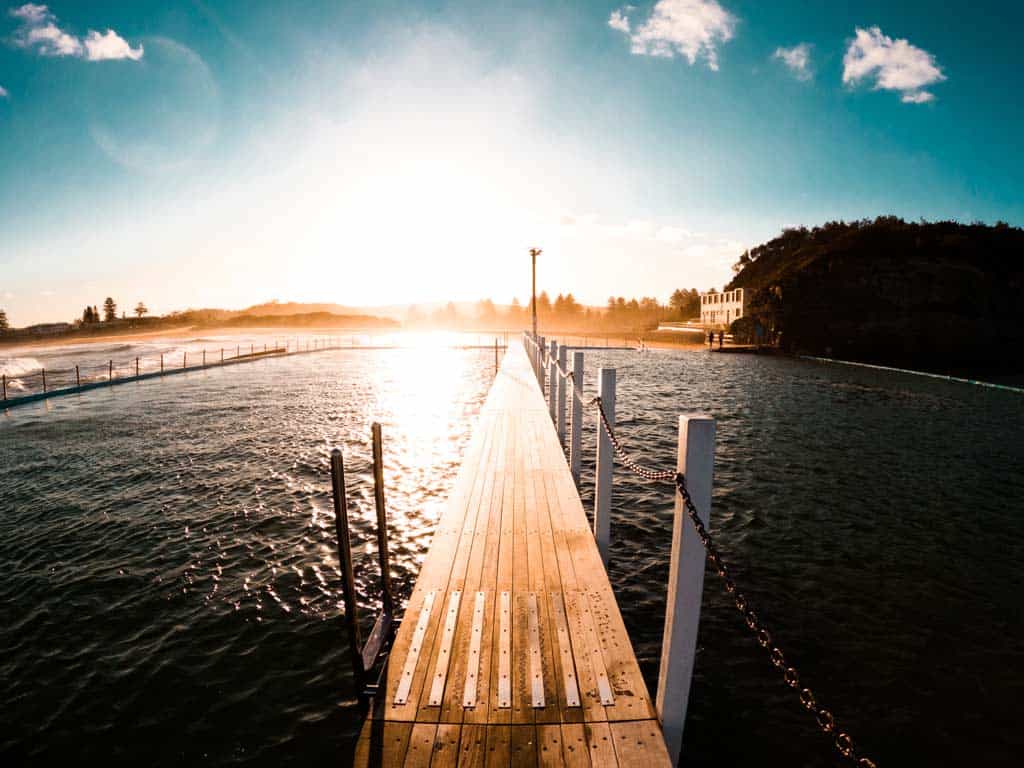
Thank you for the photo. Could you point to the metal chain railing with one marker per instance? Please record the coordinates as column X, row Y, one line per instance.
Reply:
column 825, row 719
column 645, row 472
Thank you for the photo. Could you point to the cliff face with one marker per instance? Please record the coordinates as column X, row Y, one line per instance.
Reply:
column 941, row 296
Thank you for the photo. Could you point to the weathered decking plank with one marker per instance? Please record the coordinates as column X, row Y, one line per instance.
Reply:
column 515, row 525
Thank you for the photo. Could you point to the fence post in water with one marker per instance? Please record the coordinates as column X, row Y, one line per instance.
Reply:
column 184, row 359
column 43, row 371
column 605, row 459
column 222, row 355
column 382, row 520
column 5, row 386
column 685, row 579
column 576, row 436
column 563, row 383
column 136, row 367
column 553, row 375
column 161, row 362
column 348, row 582
column 78, row 379
column 495, row 354
column 110, row 370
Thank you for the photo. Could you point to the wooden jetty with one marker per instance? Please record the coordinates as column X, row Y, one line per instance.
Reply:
column 512, row 650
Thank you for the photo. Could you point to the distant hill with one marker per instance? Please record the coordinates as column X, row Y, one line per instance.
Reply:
column 305, row 320
column 274, row 308
column 941, row 296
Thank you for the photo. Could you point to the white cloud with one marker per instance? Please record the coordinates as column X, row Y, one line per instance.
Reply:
column 109, row 45
column 619, row 21
column 692, row 28
column 797, row 59
column 896, row 65
column 4, row 93
column 31, row 13
column 39, row 32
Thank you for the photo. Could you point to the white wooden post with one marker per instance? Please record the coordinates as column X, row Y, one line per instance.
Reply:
column 563, row 382
column 540, row 362
column 576, row 436
column 603, row 474
column 685, row 579
column 553, row 379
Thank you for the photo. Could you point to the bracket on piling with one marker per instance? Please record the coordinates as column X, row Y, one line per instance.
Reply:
column 365, row 657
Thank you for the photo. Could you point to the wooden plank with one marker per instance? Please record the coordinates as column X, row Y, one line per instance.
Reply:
column 415, row 646
column 499, row 746
column 575, row 753
column 457, row 563
column 600, row 746
column 469, row 695
column 473, row 746
column 446, row 746
column 381, row 744
column 445, row 651
column 523, row 748
column 421, row 745
column 449, row 526
column 488, row 583
column 639, row 742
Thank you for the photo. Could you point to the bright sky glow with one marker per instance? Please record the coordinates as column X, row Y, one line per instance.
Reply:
column 222, row 154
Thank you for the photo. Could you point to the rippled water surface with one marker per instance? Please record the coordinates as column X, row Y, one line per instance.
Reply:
column 170, row 585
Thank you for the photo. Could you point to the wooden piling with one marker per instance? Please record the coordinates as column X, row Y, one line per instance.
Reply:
column 43, row 371
column 686, row 579
column 576, row 437
column 348, row 582
column 605, row 459
column 382, row 518
column 552, row 378
column 563, row 383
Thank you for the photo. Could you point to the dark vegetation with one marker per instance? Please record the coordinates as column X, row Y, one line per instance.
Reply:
column 940, row 296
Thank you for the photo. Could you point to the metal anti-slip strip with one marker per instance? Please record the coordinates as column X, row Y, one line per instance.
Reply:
column 504, row 652
column 572, row 689
column 445, row 653
column 536, row 660
column 409, row 668
column 473, row 660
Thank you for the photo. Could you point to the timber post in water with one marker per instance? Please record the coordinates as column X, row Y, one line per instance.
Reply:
column 605, row 457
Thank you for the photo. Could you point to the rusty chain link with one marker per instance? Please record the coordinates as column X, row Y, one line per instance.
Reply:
column 645, row 472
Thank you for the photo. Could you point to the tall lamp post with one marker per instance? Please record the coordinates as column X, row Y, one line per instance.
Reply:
column 534, row 253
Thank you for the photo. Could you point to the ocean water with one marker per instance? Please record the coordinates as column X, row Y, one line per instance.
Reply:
column 170, row 589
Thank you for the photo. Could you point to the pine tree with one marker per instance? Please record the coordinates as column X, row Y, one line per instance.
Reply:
column 109, row 310
column 141, row 310
column 4, row 325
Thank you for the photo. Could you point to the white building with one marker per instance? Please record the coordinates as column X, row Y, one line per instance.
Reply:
column 718, row 310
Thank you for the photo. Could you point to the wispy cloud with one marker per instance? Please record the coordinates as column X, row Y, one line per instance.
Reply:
column 896, row 65
column 4, row 93
column 109, row 45
column 691, row 28
column 38, row 31
column 797, row 59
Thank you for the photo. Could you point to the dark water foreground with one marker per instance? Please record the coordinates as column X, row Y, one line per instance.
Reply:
column 169, row 582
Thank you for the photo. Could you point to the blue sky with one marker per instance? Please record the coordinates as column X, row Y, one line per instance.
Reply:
column 223, row 153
